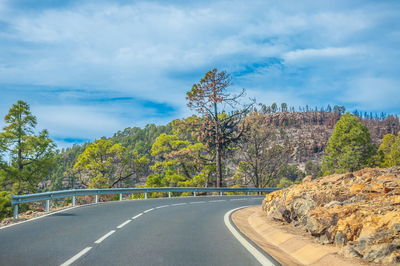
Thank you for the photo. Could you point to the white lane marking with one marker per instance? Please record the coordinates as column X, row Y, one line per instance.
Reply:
column 178, row 204
column 149, row 210
column 137, row 216
column 257, row 254
column 163, row 206
column 216, row 200
column 237, row 199
column 86, row 205
column 77, row 256
column 98, row 241
column 197, row 202
column 124, row 223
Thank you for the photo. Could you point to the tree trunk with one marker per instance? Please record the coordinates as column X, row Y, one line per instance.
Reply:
column 219, row 167
column 218, row 148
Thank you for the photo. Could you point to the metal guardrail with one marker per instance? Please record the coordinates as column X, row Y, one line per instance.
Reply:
column 47, row 196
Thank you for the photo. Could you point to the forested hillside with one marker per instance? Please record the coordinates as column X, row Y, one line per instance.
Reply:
column 291, row 146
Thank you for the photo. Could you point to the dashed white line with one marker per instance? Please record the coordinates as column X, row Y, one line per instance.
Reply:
column 149, row 210
column 124, row 223
column 178, row 204
column 197, row 202
column 98, row 241
column 137, row 216
column 77, row 256
column 101, row 239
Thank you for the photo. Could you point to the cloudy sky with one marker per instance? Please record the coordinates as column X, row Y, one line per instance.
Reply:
column 91, row 67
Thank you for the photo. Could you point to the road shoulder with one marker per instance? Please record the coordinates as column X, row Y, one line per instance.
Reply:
column 285, row 243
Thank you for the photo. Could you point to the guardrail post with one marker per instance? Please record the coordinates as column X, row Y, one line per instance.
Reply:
column 194, row 193
column 96, row 199
column 145, row 195
column 169, row 194
column 73, row 201
column 120, row 196
column 248, row 193
column 221, row 193
column 15, row 211
column 47, row 206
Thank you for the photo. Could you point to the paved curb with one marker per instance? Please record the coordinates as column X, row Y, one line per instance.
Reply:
column 286, row 247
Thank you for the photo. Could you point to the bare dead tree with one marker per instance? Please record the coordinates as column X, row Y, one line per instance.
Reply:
column 211, row 100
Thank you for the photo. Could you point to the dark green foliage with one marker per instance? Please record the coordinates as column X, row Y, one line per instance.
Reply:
column 62, row 175
column 313, row 169
column 350, row 147
column 140, row 139
column 290, row 172
column 30, row 156
column 5, row 204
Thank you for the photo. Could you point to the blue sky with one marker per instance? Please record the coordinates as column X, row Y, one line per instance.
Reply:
column 91, row 67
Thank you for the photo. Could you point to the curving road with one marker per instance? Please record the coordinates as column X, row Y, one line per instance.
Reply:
column 176, row 231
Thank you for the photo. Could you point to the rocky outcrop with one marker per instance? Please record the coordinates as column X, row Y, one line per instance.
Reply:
column 359, row 211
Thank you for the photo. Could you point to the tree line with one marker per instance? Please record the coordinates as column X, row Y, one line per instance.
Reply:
column 228, row 142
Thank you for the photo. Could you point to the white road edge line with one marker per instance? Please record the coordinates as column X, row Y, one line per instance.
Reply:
column 137, row 216
column 124, row 223
column 77, row 256
column 149, row 210
column 197, row 202
column 163, row 206
column 216, row 200
column 98, row 241
column 178, row 204
column 257, row 254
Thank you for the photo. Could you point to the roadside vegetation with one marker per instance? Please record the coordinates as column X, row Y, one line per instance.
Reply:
column 229, row 141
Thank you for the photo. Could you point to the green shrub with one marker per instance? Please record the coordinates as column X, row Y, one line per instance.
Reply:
column 5, row 204
column 284, row 182
column 137, row 196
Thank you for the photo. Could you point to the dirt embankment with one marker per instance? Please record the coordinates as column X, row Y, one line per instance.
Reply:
column 359, row 212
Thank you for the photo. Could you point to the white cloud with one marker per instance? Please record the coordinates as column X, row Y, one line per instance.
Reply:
column 156, row 51
column 304, row 55
column 77, row 121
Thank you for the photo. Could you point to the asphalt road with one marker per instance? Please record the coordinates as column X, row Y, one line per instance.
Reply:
column 176, row 231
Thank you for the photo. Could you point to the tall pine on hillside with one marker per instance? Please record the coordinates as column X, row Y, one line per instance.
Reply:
column 349, row 148
column 29, row 156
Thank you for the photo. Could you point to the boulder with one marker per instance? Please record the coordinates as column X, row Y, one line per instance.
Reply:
column 358, row 211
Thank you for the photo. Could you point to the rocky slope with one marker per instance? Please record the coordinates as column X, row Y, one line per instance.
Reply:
column 308, row 132
column 359, row 211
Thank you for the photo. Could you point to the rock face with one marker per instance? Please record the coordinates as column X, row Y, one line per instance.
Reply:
column 359, row 211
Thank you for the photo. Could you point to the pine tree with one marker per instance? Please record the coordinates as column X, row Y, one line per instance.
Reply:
column 390, row 148
column 209, row 98
column 30, row 156
column 349, row 148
